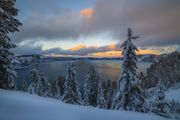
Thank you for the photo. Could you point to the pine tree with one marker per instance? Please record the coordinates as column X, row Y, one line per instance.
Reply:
column 91, row 87
column 45, row 87
column 72, row 94
column 34, row 86
column 113, row 93
column 8, row 24
column 39, row 84
column 24, row 85
column 110, row 88
column 161, row 105
column 87, row 90
column 142, row 77
column 143, row 84
column 101, row 102
column 59, row 87
column 128, row 96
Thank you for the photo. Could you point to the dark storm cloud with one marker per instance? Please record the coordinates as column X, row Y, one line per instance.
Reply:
column 60, row 26
column 156, row 21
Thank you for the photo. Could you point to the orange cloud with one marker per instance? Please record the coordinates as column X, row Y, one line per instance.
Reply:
column 77, row 47
column 107, row 54
column 86, row 12
column 81, row 46
column 112, row 46
column 110, row 50
column 115, row 53
column 147, row 51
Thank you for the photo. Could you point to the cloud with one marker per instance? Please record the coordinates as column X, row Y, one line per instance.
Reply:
column 57, row 27
column 156, row 21
column 86, row 12
column 110, row 50
column 77, row 47
column 25, row 49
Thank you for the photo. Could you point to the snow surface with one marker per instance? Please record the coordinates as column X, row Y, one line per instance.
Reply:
column 23, row 106
column 173, row 94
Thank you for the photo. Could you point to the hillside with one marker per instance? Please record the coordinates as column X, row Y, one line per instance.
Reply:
column 22, row 106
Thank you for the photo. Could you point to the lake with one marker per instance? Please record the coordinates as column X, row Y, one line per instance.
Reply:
column 107, row 69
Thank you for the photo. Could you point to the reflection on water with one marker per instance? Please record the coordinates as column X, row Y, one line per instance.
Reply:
column 107, row 69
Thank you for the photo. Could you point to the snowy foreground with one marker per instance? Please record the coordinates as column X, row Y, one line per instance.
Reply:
column 22, row 106
column 173, row 95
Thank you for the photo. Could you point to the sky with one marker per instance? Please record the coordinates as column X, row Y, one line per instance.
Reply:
column 96, row 28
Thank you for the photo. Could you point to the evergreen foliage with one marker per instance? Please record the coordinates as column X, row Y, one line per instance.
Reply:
column 72, row 93
column 91, row 87
column 39, row 84
column 161, row 105
column 8, row 24
column 129, row 92
column 101, row 102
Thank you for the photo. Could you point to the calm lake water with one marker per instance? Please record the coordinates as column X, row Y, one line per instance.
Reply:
column 107, row 69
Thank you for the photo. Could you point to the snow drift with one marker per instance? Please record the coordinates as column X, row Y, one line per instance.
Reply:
column 173, row 94
column 23, row 106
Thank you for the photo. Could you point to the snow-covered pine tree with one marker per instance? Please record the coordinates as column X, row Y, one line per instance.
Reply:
column 142, row 77
column 101, row 102
column 113, row 93
column 72, row 93
column 46, row 89
column 143, row 80
column 24, row 85
column 39, row 84
column 58, row 87
column 8, row 24
column 87, row 89
column 91, row 87
column 34, row 87
column 109, row 93
column 128, row 96
column 161, row 106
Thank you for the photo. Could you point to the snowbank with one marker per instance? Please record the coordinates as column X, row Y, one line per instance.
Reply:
column 22, row 106
column 173, row 94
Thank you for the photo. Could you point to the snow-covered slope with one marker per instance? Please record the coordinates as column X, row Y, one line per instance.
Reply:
column 22, row 106
column 173, row 94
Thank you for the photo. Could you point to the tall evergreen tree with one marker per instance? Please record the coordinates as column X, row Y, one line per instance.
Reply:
column 142, row 77
column 101, row 102
column 91, row 87
column 110, row 88
column 161, row 106
column 58, row 87
column 128, row 96
column 72, row 93
column 45, row 87
column 35, row 85
column 39, row 84
column 87, row 89
column 8, row 24
column 24, row 85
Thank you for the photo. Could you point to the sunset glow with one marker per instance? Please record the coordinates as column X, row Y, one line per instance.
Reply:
column 97, row 28
column 112, row 46
column 141, row 52
column 107, row 54
column 118, row 53
column 77, row 47
column 86, row 12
